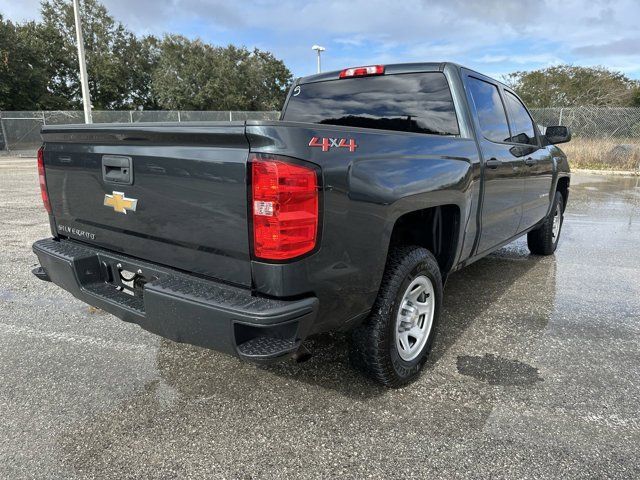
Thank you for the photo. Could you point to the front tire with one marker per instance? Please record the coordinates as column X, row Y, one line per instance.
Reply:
column 544, row 239
column 392, row 345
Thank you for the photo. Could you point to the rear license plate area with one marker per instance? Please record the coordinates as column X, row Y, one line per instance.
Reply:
column 127, row 278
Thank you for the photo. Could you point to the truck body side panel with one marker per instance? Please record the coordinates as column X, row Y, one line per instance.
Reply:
column 365, row 192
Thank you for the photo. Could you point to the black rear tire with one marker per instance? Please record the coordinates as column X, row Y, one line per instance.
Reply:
column 544, row 239
column 373, row 346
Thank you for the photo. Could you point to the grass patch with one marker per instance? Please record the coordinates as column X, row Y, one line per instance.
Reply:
column 603, row 154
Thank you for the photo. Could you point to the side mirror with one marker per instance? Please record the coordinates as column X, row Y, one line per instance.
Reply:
column 558, row 134
column 520, row 138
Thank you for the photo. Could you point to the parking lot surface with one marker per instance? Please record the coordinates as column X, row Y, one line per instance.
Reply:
column 535, row 373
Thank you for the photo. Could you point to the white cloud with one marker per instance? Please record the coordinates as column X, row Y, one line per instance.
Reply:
column 526, row 59
column 20, row 10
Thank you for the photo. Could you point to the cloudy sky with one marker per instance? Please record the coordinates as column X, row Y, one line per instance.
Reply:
column 492, row 36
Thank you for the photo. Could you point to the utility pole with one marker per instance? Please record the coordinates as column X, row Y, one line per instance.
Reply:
column 86, row 99
column 318, row 49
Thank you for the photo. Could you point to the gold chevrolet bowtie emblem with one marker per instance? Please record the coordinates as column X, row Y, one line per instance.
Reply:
column 120, row 203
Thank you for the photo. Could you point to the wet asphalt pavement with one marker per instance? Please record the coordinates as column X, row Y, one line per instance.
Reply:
column 535, row 373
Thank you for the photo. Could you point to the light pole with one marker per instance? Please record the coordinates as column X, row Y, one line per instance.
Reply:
column 318, row 49
column 86, row 100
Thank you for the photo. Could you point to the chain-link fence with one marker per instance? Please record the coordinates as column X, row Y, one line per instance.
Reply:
column 593, row 122
column 21, row 130
column 603, row 138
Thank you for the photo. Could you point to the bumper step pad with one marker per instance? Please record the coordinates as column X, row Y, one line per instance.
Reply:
column 260, row 347
column 179, row 306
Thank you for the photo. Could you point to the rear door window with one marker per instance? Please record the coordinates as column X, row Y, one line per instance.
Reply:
column 490, row 110
column 412, row 102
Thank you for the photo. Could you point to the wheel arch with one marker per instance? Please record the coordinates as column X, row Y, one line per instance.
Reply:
column 562, row 186
column 435, row 228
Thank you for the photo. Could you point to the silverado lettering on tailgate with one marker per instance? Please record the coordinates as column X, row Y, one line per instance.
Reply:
column 77, row 232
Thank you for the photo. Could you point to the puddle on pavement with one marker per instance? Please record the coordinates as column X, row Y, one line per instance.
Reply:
column 497, row 370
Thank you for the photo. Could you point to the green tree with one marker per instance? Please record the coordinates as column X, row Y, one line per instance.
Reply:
column 119, row 65
column 23, row 77
column 54, row 67
column 635, row 99
column 193, row 75
column 39, row 67
column 568, row 86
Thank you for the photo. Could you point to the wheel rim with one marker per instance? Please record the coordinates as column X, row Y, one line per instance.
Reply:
column 415, row 318
column 557, row 223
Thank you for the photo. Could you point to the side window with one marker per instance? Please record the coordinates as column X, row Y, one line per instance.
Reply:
column 521, row 123
column 490, row 111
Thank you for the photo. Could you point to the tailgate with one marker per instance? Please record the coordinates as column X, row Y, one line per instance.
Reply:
column 173, row 194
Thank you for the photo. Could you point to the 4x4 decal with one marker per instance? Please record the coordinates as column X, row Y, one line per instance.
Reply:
column 327, row 143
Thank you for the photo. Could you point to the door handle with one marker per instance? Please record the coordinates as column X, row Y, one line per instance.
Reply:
column 493, row 163
column 529, row 162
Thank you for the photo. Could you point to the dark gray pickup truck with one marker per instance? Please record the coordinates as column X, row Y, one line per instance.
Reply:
column 347, row 214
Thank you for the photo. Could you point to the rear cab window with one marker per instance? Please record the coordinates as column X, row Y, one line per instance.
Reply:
column 411, row 102
column 489, row 110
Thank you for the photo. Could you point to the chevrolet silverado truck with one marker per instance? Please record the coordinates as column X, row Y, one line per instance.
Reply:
column 346, row 214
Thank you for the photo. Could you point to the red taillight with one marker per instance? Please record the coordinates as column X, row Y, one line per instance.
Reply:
column 284, row 204
column 43, row 180
column 362, row 71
